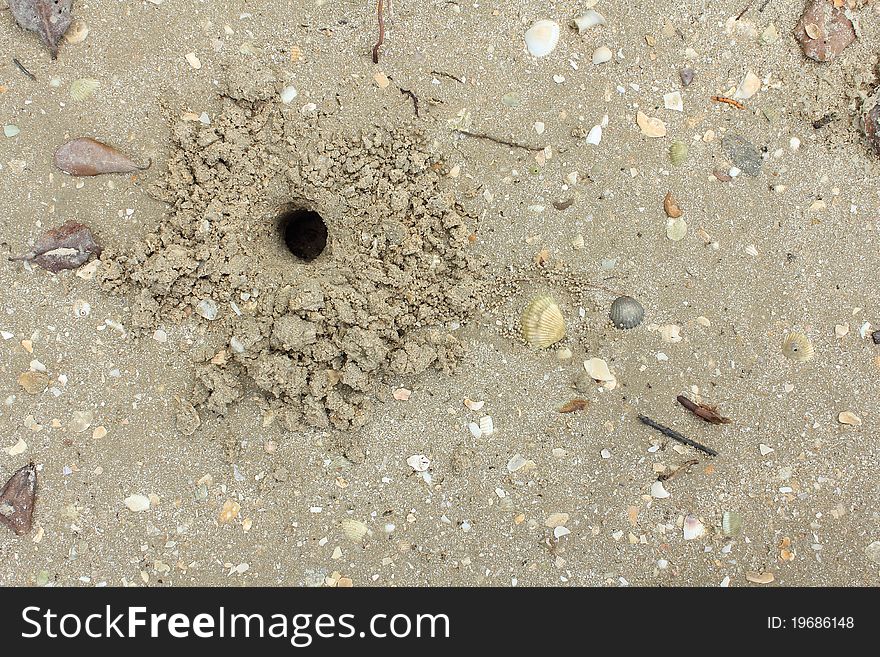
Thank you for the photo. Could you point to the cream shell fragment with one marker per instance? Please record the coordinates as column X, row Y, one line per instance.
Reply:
column 597, row 369
column 650, row 126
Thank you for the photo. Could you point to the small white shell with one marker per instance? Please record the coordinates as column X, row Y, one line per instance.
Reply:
column 595, row 135
column 473, row 405
column 542, row 37
column 658, row 491
column 83, row 88
column 81, row 308
column 77, row 32
column 207, row 308
column 137, row 502
column 692, row 528
column 288, row 94
column 418, row 462
column 601, row 55
column 475, row 430
column 590, row 18
column 487, row 426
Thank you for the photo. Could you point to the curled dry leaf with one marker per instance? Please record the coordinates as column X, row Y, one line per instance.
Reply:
column 48, row 18
column 17, row 500
column 703, row 411
column 65, row 247
column 89, row 157
column 576, row 404
column 671, row 207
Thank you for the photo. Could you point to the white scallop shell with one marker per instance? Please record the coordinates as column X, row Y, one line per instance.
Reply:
column 797, row 347
column 542, row 37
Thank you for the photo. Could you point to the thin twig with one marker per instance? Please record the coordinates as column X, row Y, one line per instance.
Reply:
column 729, row 101
column 447, row 75
column 513, row 144
column 23, row 69
column 742, row 13
column 381, row 40
column 415, row 99
column 672, row 433
column 684, row 467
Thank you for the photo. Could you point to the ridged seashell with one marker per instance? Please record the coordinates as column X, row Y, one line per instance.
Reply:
column 543, row 323
column 542, row 37
column 692, row 528
column 797, row 347
column 678, row 153
column 590, row 18
column 626, row 313
column 731, row 523
column 354, row 530
column 83, row 88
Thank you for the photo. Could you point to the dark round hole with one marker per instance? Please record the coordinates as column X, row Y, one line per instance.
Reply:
column 304, row 232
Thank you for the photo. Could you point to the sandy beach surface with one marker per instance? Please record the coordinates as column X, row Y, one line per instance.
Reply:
column 203, row 407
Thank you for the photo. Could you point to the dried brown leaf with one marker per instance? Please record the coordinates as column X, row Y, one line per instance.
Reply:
column 89, row 157
column 576, row 404
column 48, row 18
column 17, row 500
column 65, row 247
column 703, row 411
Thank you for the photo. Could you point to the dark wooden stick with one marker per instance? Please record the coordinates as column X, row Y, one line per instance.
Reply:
column 381, row 32
column 512, row 144
column 23, row 69
column 672, row 433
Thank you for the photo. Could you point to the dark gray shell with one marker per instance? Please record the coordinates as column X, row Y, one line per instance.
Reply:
column 626, row 313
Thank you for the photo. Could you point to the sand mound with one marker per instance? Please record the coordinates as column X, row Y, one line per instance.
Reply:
column 317, row 328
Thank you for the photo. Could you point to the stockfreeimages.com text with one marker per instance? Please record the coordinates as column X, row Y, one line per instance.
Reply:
column 299, row 629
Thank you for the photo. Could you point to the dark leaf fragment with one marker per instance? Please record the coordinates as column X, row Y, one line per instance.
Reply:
column 703, row 411
column 48, row 18
column 65, row 247
column 576, row 404
column 17, row 500
column 89, row 157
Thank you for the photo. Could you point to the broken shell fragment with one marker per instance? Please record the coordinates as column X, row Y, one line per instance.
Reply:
column 824, row 31
column 601, row 55
column 850, row 418
column 590, row 18
column 542, row 323
column 597, row 369
column 418, row 462
column 650, row 126
column 760, row 578
column 692, row 527
column 487, row 426
column 626, row 313
column 671, row 206
column 797, row 347
column 77, row 32
column 542, row 37
column 658, row 491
